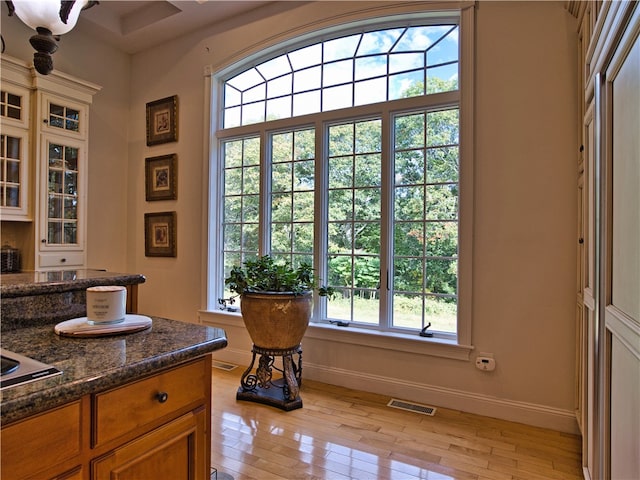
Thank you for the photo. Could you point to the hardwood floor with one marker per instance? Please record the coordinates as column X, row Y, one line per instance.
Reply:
column 347, row 434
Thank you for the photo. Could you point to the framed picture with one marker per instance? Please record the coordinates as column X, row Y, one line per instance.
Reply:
column 161, row 177
column 160, row 234
column 162, row 121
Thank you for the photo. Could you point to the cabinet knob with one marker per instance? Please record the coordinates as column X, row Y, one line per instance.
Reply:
column 162, row 397
column 581, row 241
column 62, row 260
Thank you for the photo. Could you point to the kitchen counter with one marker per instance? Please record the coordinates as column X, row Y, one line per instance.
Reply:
column 30, row 298
column 91, row 365
column 32, row 303
column 57, row 281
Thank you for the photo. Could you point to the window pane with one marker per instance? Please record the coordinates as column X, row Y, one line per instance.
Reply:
column 352, row 198
column 425, row 220
column 406, row 85
column 231, row 96
column 281, row 177
column 368, row 137
column 304, row 144
column 409, row 167
column 245, row 80
column 370, row 67
column 337, row 73
column 303, row 207
column 292, row 209
column 370, row 91
column 274, row 68
column 305, row 57
column 402, row 62
column 341, row 48
column 280, row 86
column 409, row 239
column 304, row 103
column 340, row 172
column 241, row 201
column 307, row 79
column 279, row 108
column 253, row 113
column 378, row 42
column 254, row 94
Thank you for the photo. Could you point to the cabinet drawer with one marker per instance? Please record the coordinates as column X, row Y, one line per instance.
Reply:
column 41, row 442
column 60, row 259
column 139, row 405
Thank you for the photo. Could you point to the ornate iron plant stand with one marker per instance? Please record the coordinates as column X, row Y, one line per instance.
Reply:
column 261, row 387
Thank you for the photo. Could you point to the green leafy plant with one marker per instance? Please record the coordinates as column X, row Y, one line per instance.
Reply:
column 267, row 275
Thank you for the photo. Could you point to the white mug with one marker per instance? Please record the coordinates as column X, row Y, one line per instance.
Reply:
column 106, row 304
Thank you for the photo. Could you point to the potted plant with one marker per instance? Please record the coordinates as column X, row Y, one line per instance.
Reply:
column 276, row 304
column 276, row 300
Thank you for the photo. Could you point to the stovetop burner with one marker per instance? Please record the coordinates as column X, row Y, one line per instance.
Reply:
column 17, row 369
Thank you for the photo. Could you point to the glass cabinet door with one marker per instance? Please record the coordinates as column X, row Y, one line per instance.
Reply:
column 64, row 167
column 14, row 152
column 12, row 159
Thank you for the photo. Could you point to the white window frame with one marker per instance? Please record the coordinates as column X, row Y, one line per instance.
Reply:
column 459, row 347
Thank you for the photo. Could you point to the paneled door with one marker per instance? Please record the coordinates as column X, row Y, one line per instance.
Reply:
column 620, row 291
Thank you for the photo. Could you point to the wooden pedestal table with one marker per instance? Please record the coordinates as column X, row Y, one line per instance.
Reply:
column 260, row 387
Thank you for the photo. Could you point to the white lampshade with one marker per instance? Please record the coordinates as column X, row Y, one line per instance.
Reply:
column 46, row 13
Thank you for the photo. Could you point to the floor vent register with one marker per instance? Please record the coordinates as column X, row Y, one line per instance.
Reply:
column 223, row 366
column 412, row 407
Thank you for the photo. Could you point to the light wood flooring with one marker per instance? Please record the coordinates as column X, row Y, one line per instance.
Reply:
column 346, row 434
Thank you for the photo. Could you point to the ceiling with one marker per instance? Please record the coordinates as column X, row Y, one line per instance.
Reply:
column 134, row 26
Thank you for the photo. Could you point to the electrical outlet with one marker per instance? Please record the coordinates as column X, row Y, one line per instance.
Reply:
column 486, row 364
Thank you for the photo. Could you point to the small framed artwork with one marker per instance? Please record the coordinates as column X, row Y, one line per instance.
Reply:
column 160, row 234
column 161, row 177
column 162, row 121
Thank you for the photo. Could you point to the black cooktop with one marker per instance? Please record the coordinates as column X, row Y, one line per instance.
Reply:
column 17, row 369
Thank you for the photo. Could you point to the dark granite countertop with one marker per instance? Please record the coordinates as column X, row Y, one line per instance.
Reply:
column 40, row 283
column 91, row 365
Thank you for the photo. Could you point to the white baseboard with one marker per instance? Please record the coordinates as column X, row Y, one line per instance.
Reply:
column 522, row 412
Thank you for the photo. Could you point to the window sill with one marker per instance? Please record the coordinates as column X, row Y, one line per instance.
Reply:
column 432, row 346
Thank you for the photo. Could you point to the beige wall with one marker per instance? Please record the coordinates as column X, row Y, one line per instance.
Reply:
column 525, row 203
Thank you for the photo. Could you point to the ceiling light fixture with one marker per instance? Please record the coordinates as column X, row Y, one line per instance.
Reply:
column 48, row 18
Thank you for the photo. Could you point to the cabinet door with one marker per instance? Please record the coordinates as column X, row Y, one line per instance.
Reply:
column 63, row 194
column 14, row 173
column 14, row 154
column 63, row 117
column 36, row 446
column 177, row 450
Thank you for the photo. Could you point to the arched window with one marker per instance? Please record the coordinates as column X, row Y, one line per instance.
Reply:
column 357, row 69
column 347, row 152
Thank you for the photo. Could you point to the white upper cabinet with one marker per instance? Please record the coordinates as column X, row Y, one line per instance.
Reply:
column 47, row 135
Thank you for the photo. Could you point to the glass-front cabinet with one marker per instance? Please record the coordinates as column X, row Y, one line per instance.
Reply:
column 52, row 142
column 14, row 147
column 62, row 232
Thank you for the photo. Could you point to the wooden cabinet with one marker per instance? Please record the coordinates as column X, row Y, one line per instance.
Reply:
column 176, row 450
column 50, row 191
column 45, row 445
column 156, row 427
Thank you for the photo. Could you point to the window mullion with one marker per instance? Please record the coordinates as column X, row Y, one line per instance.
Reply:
column 264, row 228
column 320, row 224
column 386, row 223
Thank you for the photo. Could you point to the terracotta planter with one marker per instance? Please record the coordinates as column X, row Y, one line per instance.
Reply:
column 276, row 320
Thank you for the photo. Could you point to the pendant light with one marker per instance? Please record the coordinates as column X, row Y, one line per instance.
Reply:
column 49, row 18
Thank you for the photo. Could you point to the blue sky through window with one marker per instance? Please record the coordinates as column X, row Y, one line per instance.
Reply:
column 353, row 70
